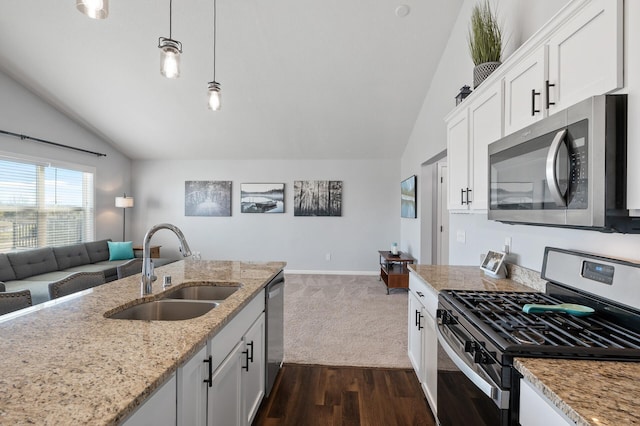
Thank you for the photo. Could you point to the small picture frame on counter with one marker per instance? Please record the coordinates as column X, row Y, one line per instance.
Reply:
column 493, row 264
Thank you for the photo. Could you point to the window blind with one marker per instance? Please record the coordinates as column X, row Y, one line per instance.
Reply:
column 44, row 205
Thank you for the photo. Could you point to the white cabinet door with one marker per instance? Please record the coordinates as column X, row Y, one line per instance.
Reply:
column 485, row 126
column 523, row 92
column 585, row 54
column 192, row 390
column 458, row 160
column 537, row 410
column 415, row 334
column 430, row 361
column 225, row 395
column 254, row 369
column 159, row 409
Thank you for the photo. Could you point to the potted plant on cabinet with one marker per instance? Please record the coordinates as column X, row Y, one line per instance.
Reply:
column 485, row 42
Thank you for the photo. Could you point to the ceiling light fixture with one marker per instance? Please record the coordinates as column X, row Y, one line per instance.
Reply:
column 94, row 9
column 214, row 86
column 170, row 51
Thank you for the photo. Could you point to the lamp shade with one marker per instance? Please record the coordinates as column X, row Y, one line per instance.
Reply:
column 95, row 9
column 124, row 202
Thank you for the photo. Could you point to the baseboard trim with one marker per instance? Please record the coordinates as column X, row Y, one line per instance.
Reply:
column 313, row 272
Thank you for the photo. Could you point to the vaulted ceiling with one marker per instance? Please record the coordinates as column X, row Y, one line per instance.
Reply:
column 317, row 79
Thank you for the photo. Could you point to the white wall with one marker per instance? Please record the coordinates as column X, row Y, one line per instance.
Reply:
column 25, row 113
column 370, row 218
column 522, row 19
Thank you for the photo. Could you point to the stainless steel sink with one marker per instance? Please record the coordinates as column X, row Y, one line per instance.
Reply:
column 166, row 310
column 203, row 292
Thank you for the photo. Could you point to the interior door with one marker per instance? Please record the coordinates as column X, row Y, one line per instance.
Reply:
column 442, row 218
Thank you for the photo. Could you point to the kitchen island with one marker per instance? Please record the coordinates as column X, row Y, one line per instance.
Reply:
column 68, row 364
column 589, row 393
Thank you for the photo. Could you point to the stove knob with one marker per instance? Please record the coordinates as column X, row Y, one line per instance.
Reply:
column 470, row 346
column 479, row 357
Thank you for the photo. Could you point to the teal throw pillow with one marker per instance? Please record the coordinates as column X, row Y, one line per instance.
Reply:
column 120, row 251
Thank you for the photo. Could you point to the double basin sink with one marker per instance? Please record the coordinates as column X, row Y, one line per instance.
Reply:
column 180, row 304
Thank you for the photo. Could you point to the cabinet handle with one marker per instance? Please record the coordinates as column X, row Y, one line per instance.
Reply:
column 468, row 191
column 246, row 354
column 420, row 327
column 210, row 379
column 533, row 102
column 547, row 85
column 250, row 357
column 462, row 191
column 419, row 293
column 418, row 319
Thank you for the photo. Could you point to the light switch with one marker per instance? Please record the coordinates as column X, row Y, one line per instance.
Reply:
column 461, row 236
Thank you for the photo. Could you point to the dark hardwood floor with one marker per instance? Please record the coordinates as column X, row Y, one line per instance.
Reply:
column 319, row 395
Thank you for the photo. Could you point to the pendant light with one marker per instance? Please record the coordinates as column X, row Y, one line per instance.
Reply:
column 95, row 9
column 214, row 86
column 170, row 51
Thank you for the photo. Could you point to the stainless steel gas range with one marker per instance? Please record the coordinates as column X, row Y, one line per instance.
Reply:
column 480, row 333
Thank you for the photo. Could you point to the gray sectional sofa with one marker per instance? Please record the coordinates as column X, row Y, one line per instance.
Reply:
column 34, row 269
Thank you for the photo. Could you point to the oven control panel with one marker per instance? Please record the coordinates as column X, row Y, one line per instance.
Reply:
column 598, row 272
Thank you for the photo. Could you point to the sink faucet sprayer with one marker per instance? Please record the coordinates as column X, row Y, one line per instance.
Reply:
column 147, row 264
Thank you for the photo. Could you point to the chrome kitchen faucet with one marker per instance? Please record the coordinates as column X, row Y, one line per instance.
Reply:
column 147, row 264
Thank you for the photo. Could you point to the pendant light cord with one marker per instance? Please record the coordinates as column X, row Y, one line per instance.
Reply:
column 214, row 40
column 170, row 14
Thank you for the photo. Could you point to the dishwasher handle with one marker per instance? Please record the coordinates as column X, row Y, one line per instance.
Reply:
column 274, row 290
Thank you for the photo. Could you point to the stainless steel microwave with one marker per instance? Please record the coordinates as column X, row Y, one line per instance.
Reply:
column 568, row 169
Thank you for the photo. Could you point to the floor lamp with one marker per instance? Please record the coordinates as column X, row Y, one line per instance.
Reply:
column 125, row 203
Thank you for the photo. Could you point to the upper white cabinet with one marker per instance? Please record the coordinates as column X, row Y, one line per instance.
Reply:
column 585, row 55
column 578, row 57
column 523, row 103
column 469, row 133
column 458, row 160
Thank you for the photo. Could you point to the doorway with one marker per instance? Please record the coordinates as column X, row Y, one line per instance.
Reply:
column 434, row 220
column 442, row 216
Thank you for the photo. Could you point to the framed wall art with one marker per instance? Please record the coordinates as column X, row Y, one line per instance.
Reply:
column 262, row 198
column 408, row 198
column 317, row 198
column 207, row 198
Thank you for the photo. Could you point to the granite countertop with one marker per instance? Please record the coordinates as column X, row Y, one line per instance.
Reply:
column 68, row 364
column 444, row 277
column 591, row 393
column 588, row 392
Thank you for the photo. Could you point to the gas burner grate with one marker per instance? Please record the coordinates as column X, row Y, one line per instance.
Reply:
column 502, row 312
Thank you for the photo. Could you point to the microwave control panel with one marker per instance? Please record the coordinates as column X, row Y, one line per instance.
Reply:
column 578, row 166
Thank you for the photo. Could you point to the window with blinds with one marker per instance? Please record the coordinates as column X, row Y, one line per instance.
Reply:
column 44, row 205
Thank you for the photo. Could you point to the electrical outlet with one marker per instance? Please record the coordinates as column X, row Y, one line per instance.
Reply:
column 461, row 236
column 327, row 257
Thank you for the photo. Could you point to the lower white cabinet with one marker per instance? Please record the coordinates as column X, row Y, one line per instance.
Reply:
column 422, row 337
column 224, row 383
column 159, row 409
column 537, row 410
column 226, row 396
column 237, row 385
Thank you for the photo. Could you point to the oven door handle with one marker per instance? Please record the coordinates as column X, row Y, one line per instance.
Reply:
column 552, row 162
column 493, row 391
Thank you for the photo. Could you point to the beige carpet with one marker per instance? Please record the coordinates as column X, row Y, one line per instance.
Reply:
column 344, row 320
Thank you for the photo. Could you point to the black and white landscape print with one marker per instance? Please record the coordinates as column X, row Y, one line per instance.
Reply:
column 262, row 198
column 317, row 198
column 207, row 198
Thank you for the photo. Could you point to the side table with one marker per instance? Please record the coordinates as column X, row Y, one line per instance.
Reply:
column 393, row 269
column 154, row 251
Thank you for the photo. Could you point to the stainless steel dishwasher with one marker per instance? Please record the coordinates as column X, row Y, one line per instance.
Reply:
column 274, row 310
